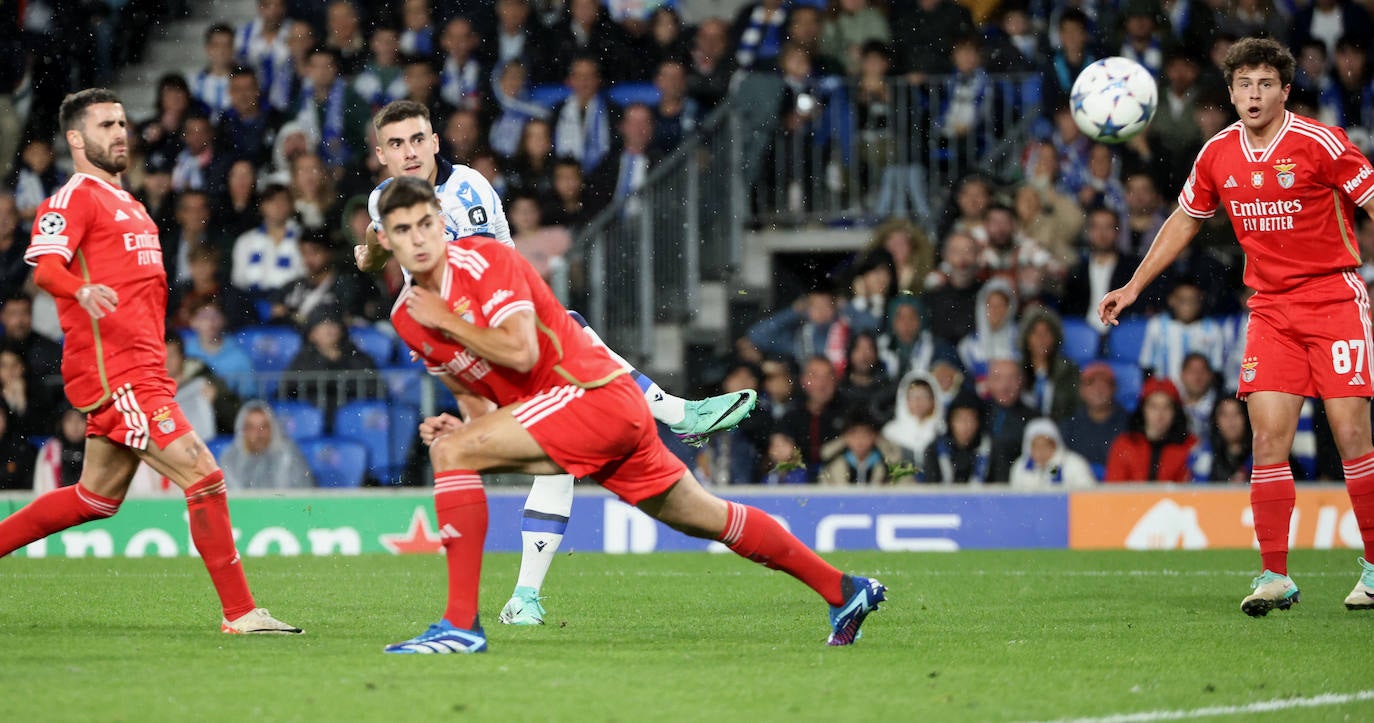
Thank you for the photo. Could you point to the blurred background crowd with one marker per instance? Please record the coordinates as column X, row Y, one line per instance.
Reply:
column 957, row 344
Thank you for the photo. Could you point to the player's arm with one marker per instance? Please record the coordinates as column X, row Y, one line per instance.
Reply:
column 369, row 255
column 53, row 277
column 1175, row 235
column 511, row 344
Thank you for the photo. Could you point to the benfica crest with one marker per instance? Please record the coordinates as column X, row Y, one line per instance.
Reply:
column 1285, row 174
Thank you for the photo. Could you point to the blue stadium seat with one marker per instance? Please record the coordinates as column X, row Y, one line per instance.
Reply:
column 549, row 95
column 1080, row 341
column 374, row 342
column 623, row 94
column 1125, row 339
column 299, row 420
column 386, row 430
column 217, row 445
column 1128, row 381
column 270, row 347
column 403, row 384
column 335, row 462
column 1030, row 93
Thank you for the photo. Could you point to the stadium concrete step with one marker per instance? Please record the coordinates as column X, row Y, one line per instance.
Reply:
column 177, row 46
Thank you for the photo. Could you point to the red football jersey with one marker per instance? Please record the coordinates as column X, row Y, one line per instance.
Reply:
column 485, row 282
column 105, row 237
column 1292, row 204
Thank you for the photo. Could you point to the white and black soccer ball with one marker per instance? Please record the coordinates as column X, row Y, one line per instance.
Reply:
column 1113, row 100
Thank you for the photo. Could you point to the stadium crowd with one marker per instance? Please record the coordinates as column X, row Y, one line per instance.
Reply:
column 954, row 348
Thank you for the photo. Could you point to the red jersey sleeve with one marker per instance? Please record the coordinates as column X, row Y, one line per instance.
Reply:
column 1351, row 171
column 59, row 225
column 501, row 289
column 1199, row 197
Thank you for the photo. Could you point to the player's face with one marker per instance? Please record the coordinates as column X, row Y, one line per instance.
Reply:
column 104, row 137
column 407, row 148
column 415, row 236
column 1258, row 95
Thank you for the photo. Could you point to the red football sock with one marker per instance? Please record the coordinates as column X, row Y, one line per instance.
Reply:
column 751, row 533
column 1359, row 483
column 53, row 512
column 214, row 539
column 1272, row 495
column 460, row 504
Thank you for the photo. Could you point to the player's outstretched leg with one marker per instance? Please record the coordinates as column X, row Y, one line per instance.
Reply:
column 542, row 524
column 53, row 512
column 460, row 504
column 751, row 533
column 1272, row 495
column 693, row 421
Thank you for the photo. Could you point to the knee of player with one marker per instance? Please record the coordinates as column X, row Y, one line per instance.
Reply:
column 454, row 450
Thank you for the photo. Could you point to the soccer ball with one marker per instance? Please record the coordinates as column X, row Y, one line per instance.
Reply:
column 1113, row 100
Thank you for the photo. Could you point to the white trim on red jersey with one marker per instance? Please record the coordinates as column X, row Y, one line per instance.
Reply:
column 1322, row 135
column 1261, row 155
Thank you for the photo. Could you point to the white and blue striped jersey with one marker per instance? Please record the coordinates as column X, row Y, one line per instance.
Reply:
column 471, row 207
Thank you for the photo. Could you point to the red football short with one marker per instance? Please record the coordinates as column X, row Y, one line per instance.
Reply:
column 1314, row 342
column 140, row 411
column 605, row 433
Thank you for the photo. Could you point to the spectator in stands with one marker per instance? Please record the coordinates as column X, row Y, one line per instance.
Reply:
column 198, row 167
column 210, row 85
column 327, row 348
column 1145, row 214
column 804, row 31
column 1140, row 39
column 854, row 24
column 17, row 456
column 1047, row 464
column 919, row 415
column 819, row 417
column 872, row 288
column 736, row 456
column 417, row 22
column 285, row 92
column 61, row 457
column 1102, row 268
column 1313, row 74
column 1198, row 391
column 28, row 401
column 710, row 65
column 1008, row 253
column 205, row 281
column 1014, row 47
column 262, row 44
column 543, row 246
column 246, row 130
column 621, row 174
column 1101, row 184
column 1050, row 379
column 861, row 457
column 162, row 132
column 676, row 115
column 1347, row 101
column 207, row 402
column 995, row 334
column 1098, row 419
column 924, row 32
column 530, row 170
column 972, row 199
column 778, row 395
column 1073, row 150
column 950, row 379
column 567, row 207
column 759, row 33
column 963, row 452
column 222, row 353
column 1073, row 54
column 913, row 257
column 1171, row 336
column 235, row 211
column 514, row 112
column 785, row 461
column 667, row 40
column 1328, row 21
column 343, row 36
column 190, row 233
column 380, row 81
column 909, row 345
column 865, row 383
column 463, row 81
column 1157, row 446
column 815, row 325
column 330, row 109
column 461, row 136
column 1174, row 134
column 1007, row 416
column 953, row 288
column 321, row 286
column 34, row 178
column 583, row 122
column 42, row 356
column 14, row 271
column 312, row 193
column 1226, row 454
column 268, row 257
column 1051, row 220
column 965, row 119
column 519, row 38
column 586, row 31
column 262, row 457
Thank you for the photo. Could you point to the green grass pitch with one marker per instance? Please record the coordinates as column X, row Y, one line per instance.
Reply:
column 975, row 636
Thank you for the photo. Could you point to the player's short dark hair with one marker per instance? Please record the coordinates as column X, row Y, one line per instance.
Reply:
column 218, row 29
column 73, row 109
column 1254, row 52
column 397, row 111
column 405, row 192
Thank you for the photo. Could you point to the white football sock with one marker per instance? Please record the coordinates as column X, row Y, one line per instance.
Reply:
column 542, row 525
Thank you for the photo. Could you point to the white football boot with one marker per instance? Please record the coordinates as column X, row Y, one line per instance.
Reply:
column 1362, row 597
column 257, row 621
